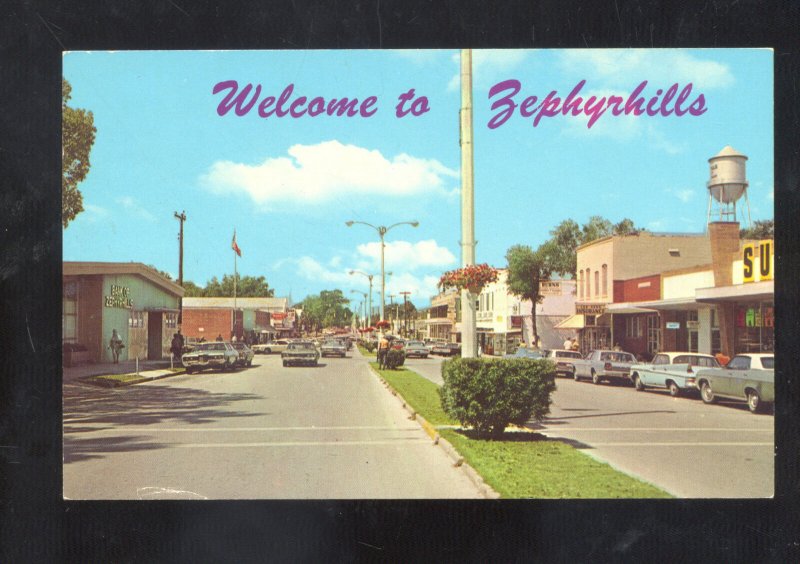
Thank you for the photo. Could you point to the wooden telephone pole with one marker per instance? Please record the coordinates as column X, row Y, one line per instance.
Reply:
column 181, row 218
column 405, row 312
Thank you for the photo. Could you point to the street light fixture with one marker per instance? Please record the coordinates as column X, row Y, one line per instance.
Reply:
column 382, row 231
column 369, row 277
column 364, row 302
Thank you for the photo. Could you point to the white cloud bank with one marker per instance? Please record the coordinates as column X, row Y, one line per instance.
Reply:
column 316, row 174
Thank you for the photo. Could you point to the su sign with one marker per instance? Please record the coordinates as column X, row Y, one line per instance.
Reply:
column 762, row 251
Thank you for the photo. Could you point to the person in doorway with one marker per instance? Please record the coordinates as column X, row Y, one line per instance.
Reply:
column 219, row 337
column 383, row 349
column 176, row 347
column 115, row 344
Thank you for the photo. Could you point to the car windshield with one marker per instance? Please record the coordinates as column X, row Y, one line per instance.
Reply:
column 298, row 346
column 332, row 343
column 416, row 344
column 211, row 347
column 568, row 354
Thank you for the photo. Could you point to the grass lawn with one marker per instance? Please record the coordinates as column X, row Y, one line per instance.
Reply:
column 420, row 393
column 522, row 464
column 365, row 352
column 116, row 379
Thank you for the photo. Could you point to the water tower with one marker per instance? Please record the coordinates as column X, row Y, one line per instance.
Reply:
column 727, row 184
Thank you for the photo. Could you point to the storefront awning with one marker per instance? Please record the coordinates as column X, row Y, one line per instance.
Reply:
column 755, row 291
column 627, row 307
column 577, row 321
column 686, row 303
column 438, row 322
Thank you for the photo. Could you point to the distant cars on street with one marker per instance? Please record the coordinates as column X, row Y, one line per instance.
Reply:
column 417, row 349
column 333, row 347
column 271, row 347
column 446, row 349
column 749, row 377
column 563, row 361
column 216, row 354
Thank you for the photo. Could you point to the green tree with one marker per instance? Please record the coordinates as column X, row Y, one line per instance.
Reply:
column 192, row 290
column 526, row 269
column 326, row 309
column 761, row 229
column 77, row 137
column 567, row 236
column 246, row 287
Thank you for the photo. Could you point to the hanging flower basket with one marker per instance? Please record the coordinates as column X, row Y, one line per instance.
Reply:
column 472, row 278
column 382, row 324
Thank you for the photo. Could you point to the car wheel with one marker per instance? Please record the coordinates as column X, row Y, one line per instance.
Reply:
column 267, row 351
column 575, row 375
column 189, row 370
column 674, row 390
column 285, row 363
column 637, row 383
column 595, row 378
column 250, row 362
column 753, row 401
column 706, row 393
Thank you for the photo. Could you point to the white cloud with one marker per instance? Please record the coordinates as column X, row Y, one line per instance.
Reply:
column 685, row 195
column 316, row 174
column 93, row 213
column 660, row 67
column 487, row 64
column 409, row 256
column 620, row 128
column 133, row 207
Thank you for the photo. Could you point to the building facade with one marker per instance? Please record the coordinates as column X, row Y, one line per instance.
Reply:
column 256, row 319
column 135, row 300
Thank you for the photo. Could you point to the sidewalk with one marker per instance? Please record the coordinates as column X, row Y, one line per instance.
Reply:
column 147, row 369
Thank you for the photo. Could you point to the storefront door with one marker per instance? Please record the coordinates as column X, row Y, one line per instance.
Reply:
column 154, row 335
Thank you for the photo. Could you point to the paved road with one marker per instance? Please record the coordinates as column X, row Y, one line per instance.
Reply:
column 267, row 432
column 680, row 444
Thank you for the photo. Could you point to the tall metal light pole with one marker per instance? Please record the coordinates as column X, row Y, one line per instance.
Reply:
column 382, row 231
column 369, row 277
column 468, row 321
column 180, row 217
column 405, row 312
column 365, row 298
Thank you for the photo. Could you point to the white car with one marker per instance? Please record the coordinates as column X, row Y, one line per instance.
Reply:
column 271, row 347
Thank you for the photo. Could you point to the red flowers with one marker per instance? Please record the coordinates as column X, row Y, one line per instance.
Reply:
column 472, row 277
column 382, row 324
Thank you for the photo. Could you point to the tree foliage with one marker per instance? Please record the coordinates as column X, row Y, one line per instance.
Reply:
column 77, row 136
column 526, row 269
column 246, row 287
column 567, row 236
column 761, row 229
column 326, row 309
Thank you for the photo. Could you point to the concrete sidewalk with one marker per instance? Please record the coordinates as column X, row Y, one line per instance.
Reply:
column 149, row 369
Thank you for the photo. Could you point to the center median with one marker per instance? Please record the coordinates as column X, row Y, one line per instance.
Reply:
column 522, row 463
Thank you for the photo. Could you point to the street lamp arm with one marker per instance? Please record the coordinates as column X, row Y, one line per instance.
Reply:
column 414, row 223
column 351, row 222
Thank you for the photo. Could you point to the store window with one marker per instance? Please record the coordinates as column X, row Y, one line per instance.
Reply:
column 171, row 320
column 580, row 284
column 596, row 283
column 605, row 280
column 716, row 343
column 754, row 327
column 633, row 327
column 136, row 319
column 69, row 313
column 692, row 323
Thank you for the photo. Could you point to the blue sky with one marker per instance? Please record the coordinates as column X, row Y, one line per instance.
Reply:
column 287, row 185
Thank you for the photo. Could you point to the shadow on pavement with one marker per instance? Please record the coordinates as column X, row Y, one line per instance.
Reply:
column 139, row 406
column 524, row 437
column 551, row 420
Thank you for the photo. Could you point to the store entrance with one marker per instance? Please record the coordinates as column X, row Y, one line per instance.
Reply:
column 154, row 324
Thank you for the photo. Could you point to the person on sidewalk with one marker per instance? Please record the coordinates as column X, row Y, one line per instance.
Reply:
column 383, row 349
column 177, row 346
column 219, row 337
column 115, row 344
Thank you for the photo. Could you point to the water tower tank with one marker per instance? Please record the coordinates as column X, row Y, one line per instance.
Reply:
column 728, row 178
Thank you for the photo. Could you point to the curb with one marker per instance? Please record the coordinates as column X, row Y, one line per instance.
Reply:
column 458, row 461
column 100, row 382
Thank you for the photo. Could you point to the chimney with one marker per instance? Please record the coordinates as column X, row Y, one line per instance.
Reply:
column 725, row 247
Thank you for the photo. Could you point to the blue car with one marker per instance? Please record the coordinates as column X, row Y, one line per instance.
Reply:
column 524, row 352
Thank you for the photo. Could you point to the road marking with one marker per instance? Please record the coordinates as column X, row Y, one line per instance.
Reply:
column 747, row 430
column 679, row 444
column 300, row 443
column 247, row 429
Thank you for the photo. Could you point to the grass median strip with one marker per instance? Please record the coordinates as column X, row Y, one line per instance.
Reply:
column 365, row 352
column 522, row 464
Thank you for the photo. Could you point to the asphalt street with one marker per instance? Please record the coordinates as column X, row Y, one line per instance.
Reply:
column 265, row 432
column 682, row 445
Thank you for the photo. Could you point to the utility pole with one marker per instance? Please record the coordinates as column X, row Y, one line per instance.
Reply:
column 181, row 218
column 468, row 319
column 405, row 312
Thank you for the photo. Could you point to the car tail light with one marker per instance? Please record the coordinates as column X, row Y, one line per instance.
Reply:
column 607, row 366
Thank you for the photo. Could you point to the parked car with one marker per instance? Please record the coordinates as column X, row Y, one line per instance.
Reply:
column 674, row 371
column 749, row 377
column 525, row 352
column 446, row 349
column 398, row 344
column 562, row 359
column 333, row 347
column 300, row 352
column 271, row 347
column 245, row 353
column 418, row 349
column 602, row 365
column 215, row 354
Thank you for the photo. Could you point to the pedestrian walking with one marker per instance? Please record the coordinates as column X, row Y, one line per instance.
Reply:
column 115, row 344
column 568, row 344
column 176, row 347
column 383, row 350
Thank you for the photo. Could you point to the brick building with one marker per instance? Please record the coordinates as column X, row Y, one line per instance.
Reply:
column 257, row 318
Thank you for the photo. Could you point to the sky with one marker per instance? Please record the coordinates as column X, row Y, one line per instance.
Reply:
column 287, row 185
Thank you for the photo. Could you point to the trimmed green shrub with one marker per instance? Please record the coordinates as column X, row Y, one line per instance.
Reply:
column 370, row 346
column 394, row 359
column 490, row 394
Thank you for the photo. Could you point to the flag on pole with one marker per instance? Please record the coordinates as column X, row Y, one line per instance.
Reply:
column 234, row 246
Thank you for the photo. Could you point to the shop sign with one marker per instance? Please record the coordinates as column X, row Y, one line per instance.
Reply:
column 550, row 288
column 673, row 325
column 692, row 324
column 120, row 297
column 765, row 263
column 590, row 309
